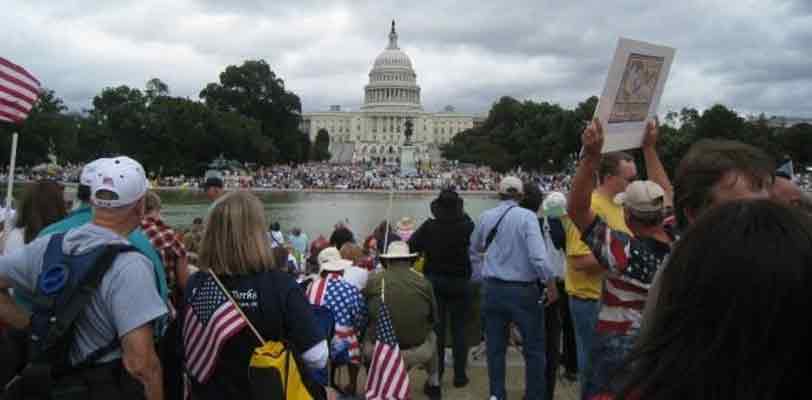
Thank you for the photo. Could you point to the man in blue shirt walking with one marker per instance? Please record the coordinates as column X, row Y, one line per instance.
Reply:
column 508, row 253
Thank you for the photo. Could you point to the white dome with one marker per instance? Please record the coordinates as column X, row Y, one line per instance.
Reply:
column 393, row 58
column 392, row 80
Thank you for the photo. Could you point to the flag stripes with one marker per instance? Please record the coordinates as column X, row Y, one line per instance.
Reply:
column 19, row 91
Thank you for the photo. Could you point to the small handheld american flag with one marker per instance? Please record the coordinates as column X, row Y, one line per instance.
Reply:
column 388, row 376
column 19, row 90
column 211, row 319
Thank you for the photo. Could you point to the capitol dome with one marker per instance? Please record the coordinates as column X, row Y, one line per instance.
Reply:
column 393, row 58
column 392, row 80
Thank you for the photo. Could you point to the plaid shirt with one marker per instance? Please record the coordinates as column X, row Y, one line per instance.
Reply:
column 166, row 243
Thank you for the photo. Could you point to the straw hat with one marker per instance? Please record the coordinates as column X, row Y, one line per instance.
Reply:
column 330, row 260
column 398, row 250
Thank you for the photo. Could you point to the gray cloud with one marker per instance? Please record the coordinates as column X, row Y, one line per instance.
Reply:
column 753, row 56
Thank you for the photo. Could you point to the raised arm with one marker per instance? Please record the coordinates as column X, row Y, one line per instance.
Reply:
column 580, row 197
column 654, row 168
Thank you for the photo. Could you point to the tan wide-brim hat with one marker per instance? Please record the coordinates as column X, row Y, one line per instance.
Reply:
column 398, row 250
column 330, row 260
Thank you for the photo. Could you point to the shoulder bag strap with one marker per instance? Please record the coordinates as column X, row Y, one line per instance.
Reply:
column 495, row 229
column 237, row 306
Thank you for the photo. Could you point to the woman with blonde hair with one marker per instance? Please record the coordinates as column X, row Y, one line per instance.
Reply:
column 236, row 250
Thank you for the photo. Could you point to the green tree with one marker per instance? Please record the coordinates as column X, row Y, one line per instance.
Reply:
column 45, row 128
column 533, row 135
column 321, row 146
column 255, row 91
column 155, row 88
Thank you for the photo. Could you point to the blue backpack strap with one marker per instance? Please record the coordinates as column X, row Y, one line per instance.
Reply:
column 64, row 289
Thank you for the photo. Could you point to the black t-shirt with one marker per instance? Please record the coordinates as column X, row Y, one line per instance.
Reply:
column 278, row 309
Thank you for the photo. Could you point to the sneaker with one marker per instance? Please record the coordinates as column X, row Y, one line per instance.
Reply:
column 433, row 392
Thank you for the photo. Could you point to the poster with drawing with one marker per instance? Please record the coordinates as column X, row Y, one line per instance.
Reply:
column 632, row 92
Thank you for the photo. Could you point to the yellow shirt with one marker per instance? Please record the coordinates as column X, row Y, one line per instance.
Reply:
column 584, row 284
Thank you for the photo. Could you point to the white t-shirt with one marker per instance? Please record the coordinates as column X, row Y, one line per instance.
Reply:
column 356, row 276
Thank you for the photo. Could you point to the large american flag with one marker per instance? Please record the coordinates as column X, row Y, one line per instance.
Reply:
column 349, row 310
column 19, row 90
column 211, row 319
column 388, row 377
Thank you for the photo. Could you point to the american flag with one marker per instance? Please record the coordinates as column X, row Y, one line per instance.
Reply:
column 19, row 91
column 211, row 319
column 388, row 377
column 349, row 310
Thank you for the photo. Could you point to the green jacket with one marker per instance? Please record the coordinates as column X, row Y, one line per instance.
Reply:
column 411, row 303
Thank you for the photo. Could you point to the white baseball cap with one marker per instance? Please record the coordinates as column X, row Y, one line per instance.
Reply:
column 90, row 172
column 122, row 176
column 510, row 184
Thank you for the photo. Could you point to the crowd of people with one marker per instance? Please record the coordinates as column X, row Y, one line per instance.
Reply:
column 663, row 287
column 330, row 176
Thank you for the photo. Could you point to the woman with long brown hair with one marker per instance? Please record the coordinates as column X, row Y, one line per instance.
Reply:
column 42, row 204
column 235, row 248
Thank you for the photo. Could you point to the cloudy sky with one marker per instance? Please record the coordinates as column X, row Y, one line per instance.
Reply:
column 755, row 56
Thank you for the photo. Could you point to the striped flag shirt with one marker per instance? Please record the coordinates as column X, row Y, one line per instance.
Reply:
column 211, row 319
column 348, row 308
column 19, row 90
column 632, row 263
column 388, row 377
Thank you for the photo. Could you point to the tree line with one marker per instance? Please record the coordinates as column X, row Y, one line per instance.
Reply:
column 247, row 115
column 546, row 137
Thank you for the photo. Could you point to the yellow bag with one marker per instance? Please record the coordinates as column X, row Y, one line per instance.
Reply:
column 274, row 369
column 275, row 375
column 419, row 264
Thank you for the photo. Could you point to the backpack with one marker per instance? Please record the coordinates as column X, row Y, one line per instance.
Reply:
column 276, row 370
column 63, row 290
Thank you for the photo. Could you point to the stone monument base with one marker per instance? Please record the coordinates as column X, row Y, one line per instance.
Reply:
column 408, row 165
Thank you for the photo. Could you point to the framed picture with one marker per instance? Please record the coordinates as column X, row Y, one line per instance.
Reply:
column 632, row 92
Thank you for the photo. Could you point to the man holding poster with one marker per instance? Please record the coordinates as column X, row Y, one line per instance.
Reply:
column 632, row 92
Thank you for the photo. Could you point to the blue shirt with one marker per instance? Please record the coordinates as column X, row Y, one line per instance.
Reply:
column 299, row 242
column 138, row 239
column 517, row 252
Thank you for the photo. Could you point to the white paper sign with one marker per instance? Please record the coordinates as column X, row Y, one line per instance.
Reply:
column 632, row 92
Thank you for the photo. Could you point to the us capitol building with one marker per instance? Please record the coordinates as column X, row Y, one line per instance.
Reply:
column 392, row 97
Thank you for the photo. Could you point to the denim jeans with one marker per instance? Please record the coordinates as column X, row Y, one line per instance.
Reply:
column 503, row 303
column 453, row 304
column 584, row 318
column 607, row 366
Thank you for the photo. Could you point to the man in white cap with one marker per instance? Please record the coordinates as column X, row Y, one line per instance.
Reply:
column 413, row 309
column 631, row 261
column 508, row 252
column 84, row 214
column 112, row 347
